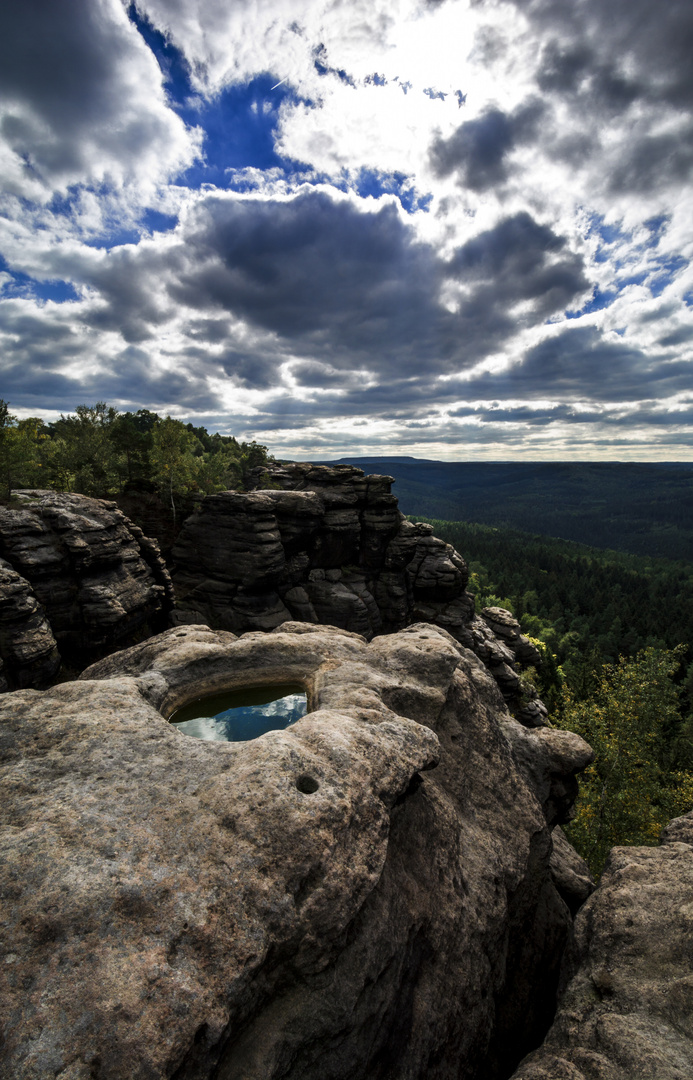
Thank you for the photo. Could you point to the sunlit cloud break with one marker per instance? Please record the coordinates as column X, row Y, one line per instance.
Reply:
column 446, row 229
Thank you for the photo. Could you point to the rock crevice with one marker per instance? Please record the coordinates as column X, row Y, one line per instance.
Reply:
column 627, row 1009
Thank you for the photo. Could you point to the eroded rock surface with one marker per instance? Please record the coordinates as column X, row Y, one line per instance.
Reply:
column 28, row 651
column 90, row 579
column 329, row 545
column 628, row 1010
column 366, row 894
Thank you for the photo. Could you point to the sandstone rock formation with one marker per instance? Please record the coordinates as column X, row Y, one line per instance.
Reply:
column 328, row 545
column 28, row 652
column 627, row 1012
column 366, row 894
column 76, row 572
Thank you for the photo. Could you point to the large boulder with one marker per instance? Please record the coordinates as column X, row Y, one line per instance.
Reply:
column 327, row 544
column 627, row 1012
column 368, row 893
column 89, row 577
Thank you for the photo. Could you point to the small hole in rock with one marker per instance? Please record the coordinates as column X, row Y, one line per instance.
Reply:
column 307, row 785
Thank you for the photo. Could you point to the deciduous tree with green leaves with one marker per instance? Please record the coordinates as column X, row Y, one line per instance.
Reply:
column 174, row 464
column 637, row 782
column 84, row 457
column 20, row 447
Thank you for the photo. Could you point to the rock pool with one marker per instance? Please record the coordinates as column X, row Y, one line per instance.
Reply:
column 239, row 715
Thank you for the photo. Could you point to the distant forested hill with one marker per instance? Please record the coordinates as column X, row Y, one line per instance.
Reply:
column 643, row 508
column 580, row 600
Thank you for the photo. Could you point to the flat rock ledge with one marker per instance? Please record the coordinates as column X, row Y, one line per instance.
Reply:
column 627, row 1012
column 366, row 894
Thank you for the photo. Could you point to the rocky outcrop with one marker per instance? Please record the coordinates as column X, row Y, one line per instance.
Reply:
column 366, row 894
column 78, row 573
column 627, row 1011
column 28, row 651
column 329, row 545
column 571, row 874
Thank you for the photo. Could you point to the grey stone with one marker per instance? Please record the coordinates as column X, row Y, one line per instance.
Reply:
column 28, row 649
column 333, row 524
column 570, row 872
column 89, row 571
column 319, row 902
column 627, row 1011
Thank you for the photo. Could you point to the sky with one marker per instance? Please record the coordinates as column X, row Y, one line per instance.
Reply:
column 452, row 229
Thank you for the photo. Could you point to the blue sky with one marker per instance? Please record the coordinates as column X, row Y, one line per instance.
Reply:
column 446, row 229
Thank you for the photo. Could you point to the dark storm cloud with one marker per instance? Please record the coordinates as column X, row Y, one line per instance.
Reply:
column 603, row 59
column 129, row 385
column 571, row 70
column 356, row 289
column 320, row 283
column 519, row 259
column 212, row 331
column 80, row 91
column 127, row 281
column 677, row 337
column 646, row 413
column 623, row 49
column 45, row 366
column 478, row 151
column 580, row 364
column 317, row 271
column 653, row 160
column 251, row 370
column 311, row 373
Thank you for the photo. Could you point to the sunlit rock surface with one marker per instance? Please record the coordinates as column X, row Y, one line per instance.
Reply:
column 627, row 1012
column 366, row 894
column 91, row 579
column 327, row 544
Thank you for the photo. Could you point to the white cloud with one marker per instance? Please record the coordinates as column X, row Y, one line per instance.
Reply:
column 553, row 146
column 82, row 103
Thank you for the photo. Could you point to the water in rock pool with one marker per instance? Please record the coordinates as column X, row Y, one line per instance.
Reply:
column 239, row 715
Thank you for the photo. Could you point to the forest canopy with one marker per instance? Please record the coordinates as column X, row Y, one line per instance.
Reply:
column 614, row 631
column 100, row 452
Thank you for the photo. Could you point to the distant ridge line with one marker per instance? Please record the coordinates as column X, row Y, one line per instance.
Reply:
column 641, row 507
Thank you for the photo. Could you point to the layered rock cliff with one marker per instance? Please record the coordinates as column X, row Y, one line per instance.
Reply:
column 370, row 893
column 329, row 545
column 76, row 576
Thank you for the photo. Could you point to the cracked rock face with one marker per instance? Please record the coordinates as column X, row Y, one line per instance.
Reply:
column 328, row 545
column 88, row 579
column 28, row 651
column 627, row 1012
column 366, row 894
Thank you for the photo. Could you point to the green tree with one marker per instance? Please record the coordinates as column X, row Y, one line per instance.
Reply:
column 251, row 455
column 219, row 471
column 634, row 786
column 84, row 458
column 132, row 440
column 20, row 444
column 174, row 464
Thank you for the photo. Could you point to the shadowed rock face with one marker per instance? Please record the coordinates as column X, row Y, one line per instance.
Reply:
column 87, row 576
column 366, row 894
column 28, row 652
column 328, row 545
column 627, row 1012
